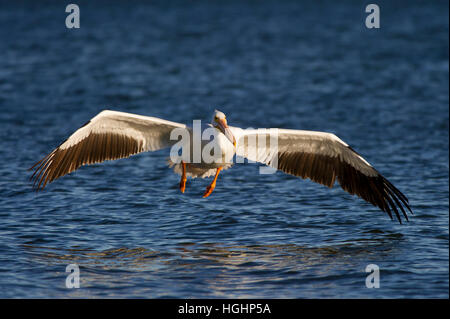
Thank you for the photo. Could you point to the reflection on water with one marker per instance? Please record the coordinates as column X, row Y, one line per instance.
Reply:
column 277, row 256
column 223, row 271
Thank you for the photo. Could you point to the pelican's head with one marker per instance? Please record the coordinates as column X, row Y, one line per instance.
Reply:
column 220, row 121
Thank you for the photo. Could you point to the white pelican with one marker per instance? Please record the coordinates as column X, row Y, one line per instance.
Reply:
column 319, row 156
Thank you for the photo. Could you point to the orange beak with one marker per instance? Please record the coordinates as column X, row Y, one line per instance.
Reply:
column 222, row 123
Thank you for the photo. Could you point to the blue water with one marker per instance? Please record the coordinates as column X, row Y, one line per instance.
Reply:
column 302, row 65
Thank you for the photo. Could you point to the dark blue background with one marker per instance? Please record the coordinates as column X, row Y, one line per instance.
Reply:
column 290, row 64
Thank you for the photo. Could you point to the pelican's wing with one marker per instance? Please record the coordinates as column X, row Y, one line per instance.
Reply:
column 109, row 135
column 323, row 158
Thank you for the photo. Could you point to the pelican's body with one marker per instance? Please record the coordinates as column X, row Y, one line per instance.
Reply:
column 215, row 140
column 319, row 156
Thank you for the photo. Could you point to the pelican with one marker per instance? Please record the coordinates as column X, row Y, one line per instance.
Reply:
column 321, row 157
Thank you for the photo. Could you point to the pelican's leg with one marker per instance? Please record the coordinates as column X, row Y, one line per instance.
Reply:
column 183, row 177
column 211, row 186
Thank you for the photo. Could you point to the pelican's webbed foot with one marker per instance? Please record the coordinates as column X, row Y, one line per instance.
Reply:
column 183, row 178
column 211, row 186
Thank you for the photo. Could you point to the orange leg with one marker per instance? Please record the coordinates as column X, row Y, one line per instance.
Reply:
column 211, row 186
column 183, row 177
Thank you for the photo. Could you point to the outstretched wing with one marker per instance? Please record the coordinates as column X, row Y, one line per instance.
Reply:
column 323, row 158
column 109, row 135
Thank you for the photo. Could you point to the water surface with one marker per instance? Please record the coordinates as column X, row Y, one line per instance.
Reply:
column 266, row 64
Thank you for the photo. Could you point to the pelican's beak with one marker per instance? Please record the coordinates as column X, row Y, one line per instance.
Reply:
column 222, row 123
